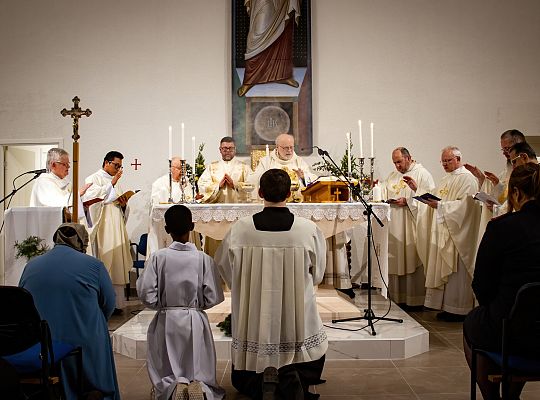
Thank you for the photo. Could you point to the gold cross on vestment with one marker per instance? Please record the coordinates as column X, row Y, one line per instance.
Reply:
column 443, row 192
column 76, row 112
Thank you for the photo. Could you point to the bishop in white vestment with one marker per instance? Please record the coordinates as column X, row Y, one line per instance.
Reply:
column 447, row 232
column 406, row 279
column 271, row 261
column 109, row 236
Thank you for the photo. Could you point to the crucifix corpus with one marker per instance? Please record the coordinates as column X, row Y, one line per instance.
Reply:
column 75, row 113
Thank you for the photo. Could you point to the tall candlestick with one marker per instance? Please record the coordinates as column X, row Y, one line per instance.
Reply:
column 170, row 142
column 371, row 140
column 182, row 141
column 360, row 138
column 267, row 151
column 193, row 153
column 349, row 153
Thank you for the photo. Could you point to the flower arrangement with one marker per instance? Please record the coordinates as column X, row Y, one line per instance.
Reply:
column 30, row 247
column 326, row 166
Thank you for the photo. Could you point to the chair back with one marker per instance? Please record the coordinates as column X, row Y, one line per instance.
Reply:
column 525, row 313
column 141, row 247
column 19, row 320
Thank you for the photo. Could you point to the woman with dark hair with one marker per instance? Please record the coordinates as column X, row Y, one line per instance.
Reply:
column 508, row 258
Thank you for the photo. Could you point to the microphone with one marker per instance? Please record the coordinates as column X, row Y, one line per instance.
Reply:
column 320, row 151
column 37, row 171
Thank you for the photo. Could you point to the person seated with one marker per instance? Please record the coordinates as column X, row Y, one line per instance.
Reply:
column 508, row 258
column 271, row 261
column 180, row 282
column 74, row 293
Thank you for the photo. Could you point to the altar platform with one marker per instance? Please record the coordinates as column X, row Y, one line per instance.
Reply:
column 347, row 340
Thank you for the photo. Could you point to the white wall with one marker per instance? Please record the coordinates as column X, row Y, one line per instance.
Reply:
column 428, row 73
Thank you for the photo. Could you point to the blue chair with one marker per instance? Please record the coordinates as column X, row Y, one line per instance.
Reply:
column 139, row 248
column 27, row 346
column 524, row 317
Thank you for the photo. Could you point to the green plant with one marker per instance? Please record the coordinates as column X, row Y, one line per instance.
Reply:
column 30, row 247
column 225, row 325
column 199, row 166
column 326, row 166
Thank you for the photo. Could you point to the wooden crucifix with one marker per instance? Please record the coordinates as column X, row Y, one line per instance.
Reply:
column 75, row 113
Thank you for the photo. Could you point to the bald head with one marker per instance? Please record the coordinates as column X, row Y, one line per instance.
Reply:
column 285, row 146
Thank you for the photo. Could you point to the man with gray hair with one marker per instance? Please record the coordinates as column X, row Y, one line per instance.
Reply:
column 447, row 230
column 53, row 189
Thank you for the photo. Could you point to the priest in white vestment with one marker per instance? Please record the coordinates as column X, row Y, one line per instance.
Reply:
column 496, row 185
column 54, row 189
column 447, row 232
column 162, row 188
column 271, row 261
column 221, row 180
column 180, row 282
column 406, row 278
column 109, row 236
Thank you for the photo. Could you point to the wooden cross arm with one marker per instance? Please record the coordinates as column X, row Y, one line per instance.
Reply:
column 76, row 112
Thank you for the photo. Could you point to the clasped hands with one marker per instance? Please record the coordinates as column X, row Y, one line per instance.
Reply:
column 226, row 181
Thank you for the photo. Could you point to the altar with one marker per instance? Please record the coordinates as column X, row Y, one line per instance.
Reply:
column 347, row 220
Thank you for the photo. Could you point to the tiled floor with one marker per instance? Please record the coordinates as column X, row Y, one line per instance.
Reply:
column 440, row 374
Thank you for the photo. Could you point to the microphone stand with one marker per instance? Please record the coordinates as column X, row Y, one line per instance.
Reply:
column 369, row 315
column 15, row 190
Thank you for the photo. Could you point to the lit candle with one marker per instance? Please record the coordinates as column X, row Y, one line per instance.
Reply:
column 182, row 141
column 360, row 138
column 267, row 151
column 170, row 142
column 349, row 153
column 371, row 140
column 193, row 153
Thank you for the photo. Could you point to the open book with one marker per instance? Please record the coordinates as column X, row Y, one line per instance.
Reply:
column 426, row 197
column 125, row 197
column 486, row 198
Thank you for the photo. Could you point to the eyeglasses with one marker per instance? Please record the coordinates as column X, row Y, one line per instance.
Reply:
column 67, row 165
column 447, row 161
column 227, row 148
column 115, row 164
column 514, row 160
column 290, row 148
column 506, row 149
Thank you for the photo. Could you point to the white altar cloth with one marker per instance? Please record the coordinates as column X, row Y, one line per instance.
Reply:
column 215, row 220
column 20, row 223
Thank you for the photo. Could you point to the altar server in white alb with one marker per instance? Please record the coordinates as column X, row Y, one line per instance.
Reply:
column 53, row 189
column 406, row 279
column 271, row 261
column 221, row 180
column 109, row 236
column 180, row 282
column 447, row 232
column 284, row 157
column 161, row 188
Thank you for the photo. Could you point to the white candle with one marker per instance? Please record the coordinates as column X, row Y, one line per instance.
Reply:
column 182, row 141
column 193, row 153
column 371, row 140
column 360, row 138
column 170, row 142
column 349, row 153
column 267, row 151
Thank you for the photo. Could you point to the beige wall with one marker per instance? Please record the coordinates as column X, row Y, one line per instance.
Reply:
column 428, row 73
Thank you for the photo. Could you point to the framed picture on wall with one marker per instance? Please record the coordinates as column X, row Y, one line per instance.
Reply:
column 271, row 73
